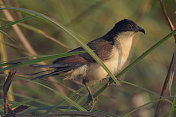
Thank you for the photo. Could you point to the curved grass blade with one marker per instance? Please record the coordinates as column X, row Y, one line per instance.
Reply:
column 47, row 108
column 39, row 31
column 62, row 101
column 4, row 64
column 75, row 37
column 45, row 58
column 30, row 99
column 59, row 94
column 140, row 87
column 15, row 22
column 151, row 102
column 172, row 107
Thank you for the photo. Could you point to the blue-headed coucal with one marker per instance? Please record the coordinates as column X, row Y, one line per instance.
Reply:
column 113, row 49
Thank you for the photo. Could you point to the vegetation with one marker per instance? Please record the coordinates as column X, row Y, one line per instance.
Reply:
column 37, row 31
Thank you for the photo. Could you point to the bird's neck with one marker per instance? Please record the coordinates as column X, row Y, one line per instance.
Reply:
column 110, row 36
column 124, row 39
column 123, row 44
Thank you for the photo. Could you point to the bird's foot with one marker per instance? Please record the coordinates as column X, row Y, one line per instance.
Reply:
column 110, row 79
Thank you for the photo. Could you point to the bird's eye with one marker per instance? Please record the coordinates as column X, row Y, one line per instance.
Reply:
column 130, row 26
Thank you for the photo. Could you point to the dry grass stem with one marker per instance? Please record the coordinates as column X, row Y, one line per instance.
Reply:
column 170, row 74
column 28, row 46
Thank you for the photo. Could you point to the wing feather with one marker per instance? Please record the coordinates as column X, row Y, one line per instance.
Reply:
column 100, row 46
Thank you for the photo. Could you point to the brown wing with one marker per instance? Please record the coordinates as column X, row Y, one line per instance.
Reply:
column 72, row 59
column 101, row 47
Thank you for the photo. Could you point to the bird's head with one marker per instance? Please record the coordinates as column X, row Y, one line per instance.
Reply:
column 127, row 25
column 125, row 29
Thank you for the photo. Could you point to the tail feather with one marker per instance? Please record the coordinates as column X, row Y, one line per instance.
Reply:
column 54, row 73
column 65, row 65
column 59, row 68
column 36, row 73
column 47, row 75
column 46, row 66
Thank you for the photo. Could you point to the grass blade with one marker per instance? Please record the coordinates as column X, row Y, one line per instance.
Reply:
column 15, row 22
column 59, row 94
column 173, row 107
column 45, row 58
column 144, row 105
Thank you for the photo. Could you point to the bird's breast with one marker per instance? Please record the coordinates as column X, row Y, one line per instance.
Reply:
column 115, row 63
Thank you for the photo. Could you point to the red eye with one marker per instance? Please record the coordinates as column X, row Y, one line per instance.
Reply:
column 129, row 26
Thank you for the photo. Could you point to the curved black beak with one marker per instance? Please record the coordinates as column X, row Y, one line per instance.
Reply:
column 141, row 29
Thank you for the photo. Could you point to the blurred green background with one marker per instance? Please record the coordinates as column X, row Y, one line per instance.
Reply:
column 91, row 19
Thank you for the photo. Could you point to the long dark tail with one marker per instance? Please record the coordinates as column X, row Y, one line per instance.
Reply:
column 36, row 73
column 59, row 68
column 54, row 73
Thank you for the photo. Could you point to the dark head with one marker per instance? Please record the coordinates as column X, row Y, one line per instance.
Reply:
column 127, row 25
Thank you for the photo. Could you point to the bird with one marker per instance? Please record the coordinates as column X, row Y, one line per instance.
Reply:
column 113, row 49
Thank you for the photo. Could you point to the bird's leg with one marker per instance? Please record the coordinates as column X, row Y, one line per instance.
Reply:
column 90, row 96
column 109, row 80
